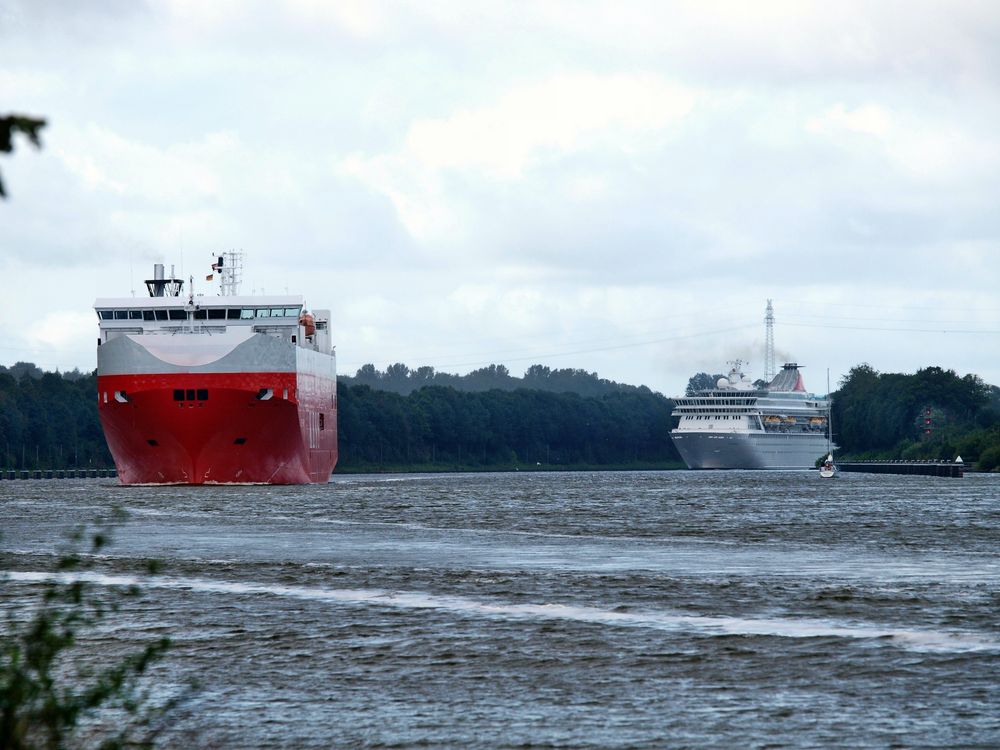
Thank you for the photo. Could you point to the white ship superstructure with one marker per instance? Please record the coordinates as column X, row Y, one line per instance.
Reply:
column 739, row 426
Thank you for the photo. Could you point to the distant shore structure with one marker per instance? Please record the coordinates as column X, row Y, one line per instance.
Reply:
column 769, row 372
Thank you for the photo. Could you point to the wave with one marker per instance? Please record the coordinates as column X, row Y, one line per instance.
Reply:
column 911, row 639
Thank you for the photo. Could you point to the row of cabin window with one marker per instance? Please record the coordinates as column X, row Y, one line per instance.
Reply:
column 191, row 394
column 245, row 313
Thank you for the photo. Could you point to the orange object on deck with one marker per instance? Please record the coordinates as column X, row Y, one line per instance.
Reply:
column 309, row 323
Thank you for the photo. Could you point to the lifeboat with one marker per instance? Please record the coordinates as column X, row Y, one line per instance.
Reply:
column 308, row 323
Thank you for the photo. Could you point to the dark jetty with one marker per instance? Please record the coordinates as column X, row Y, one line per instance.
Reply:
column 939, row 468
column 57, row 473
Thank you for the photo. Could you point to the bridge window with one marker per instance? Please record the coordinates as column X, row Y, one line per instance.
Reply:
column 178, row 394
column 121, row 314
column 106, row 314
column 189, row 394
column 201, row 314
column 216, row 314
column 178, row 315
column 161, row 314
column 246, row 313
column 263, row 312
column 292, row 312
column 135, row 314
column 148, row 315
column 203, row 394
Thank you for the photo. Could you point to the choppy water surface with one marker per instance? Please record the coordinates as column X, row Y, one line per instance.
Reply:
column 618, row 610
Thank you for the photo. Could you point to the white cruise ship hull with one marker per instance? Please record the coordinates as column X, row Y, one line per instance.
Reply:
column 748, row 450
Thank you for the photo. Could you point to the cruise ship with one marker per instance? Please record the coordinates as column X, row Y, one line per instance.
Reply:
column 221, row 389
column 737, row 425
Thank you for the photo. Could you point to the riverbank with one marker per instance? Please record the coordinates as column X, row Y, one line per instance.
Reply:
column 451, row 468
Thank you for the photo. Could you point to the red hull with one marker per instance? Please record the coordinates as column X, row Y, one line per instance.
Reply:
column 219, row 431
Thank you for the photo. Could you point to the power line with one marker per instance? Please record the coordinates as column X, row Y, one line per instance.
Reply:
column 616, row 347
column 890, row 307
column 895, row 330
column 882, row 320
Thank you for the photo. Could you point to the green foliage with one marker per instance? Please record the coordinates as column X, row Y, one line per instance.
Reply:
column 13, row 124
column 446, row 428
column 989, row 459
column 49, row 421
column 701, row 381
column 930, row 414
column 398, row 378
column 52, row 698
column 549, row 418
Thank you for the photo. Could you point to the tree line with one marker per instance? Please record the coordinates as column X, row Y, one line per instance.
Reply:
column 49, row 420
column 439, row 426
column 399, row 378
column 933, row 413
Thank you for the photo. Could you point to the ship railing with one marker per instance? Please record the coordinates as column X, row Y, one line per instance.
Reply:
column 174, row 330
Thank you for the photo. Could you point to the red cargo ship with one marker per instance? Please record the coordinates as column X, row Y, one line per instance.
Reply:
column 223, row 389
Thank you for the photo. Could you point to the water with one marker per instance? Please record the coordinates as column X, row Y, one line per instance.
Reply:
column 604, row 610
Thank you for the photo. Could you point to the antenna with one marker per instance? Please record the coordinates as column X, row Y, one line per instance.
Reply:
column 230, row 267
column 769, row 372
column 829, row 415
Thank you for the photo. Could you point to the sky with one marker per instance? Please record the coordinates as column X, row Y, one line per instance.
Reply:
column 613, row 186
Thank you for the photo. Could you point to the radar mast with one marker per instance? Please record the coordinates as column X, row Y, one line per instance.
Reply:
column 229, row 266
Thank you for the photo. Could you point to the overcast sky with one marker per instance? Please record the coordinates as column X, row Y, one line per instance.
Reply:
column 613, row 186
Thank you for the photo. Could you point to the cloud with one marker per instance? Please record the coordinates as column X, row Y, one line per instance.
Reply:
column 59, row 330
column 527, row 126
column 180, row 174
column 462, row 182
column 925, row 146
column 555, row 117
column 870, row 119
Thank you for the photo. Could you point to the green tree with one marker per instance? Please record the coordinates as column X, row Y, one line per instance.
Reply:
column 928, row 414
column 701, row 381
column 448, row 428
column 401, row 379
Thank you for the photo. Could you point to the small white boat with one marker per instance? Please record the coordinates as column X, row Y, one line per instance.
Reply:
column 828, row 469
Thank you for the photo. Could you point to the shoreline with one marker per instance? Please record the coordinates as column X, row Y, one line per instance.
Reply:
column 494, row 469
